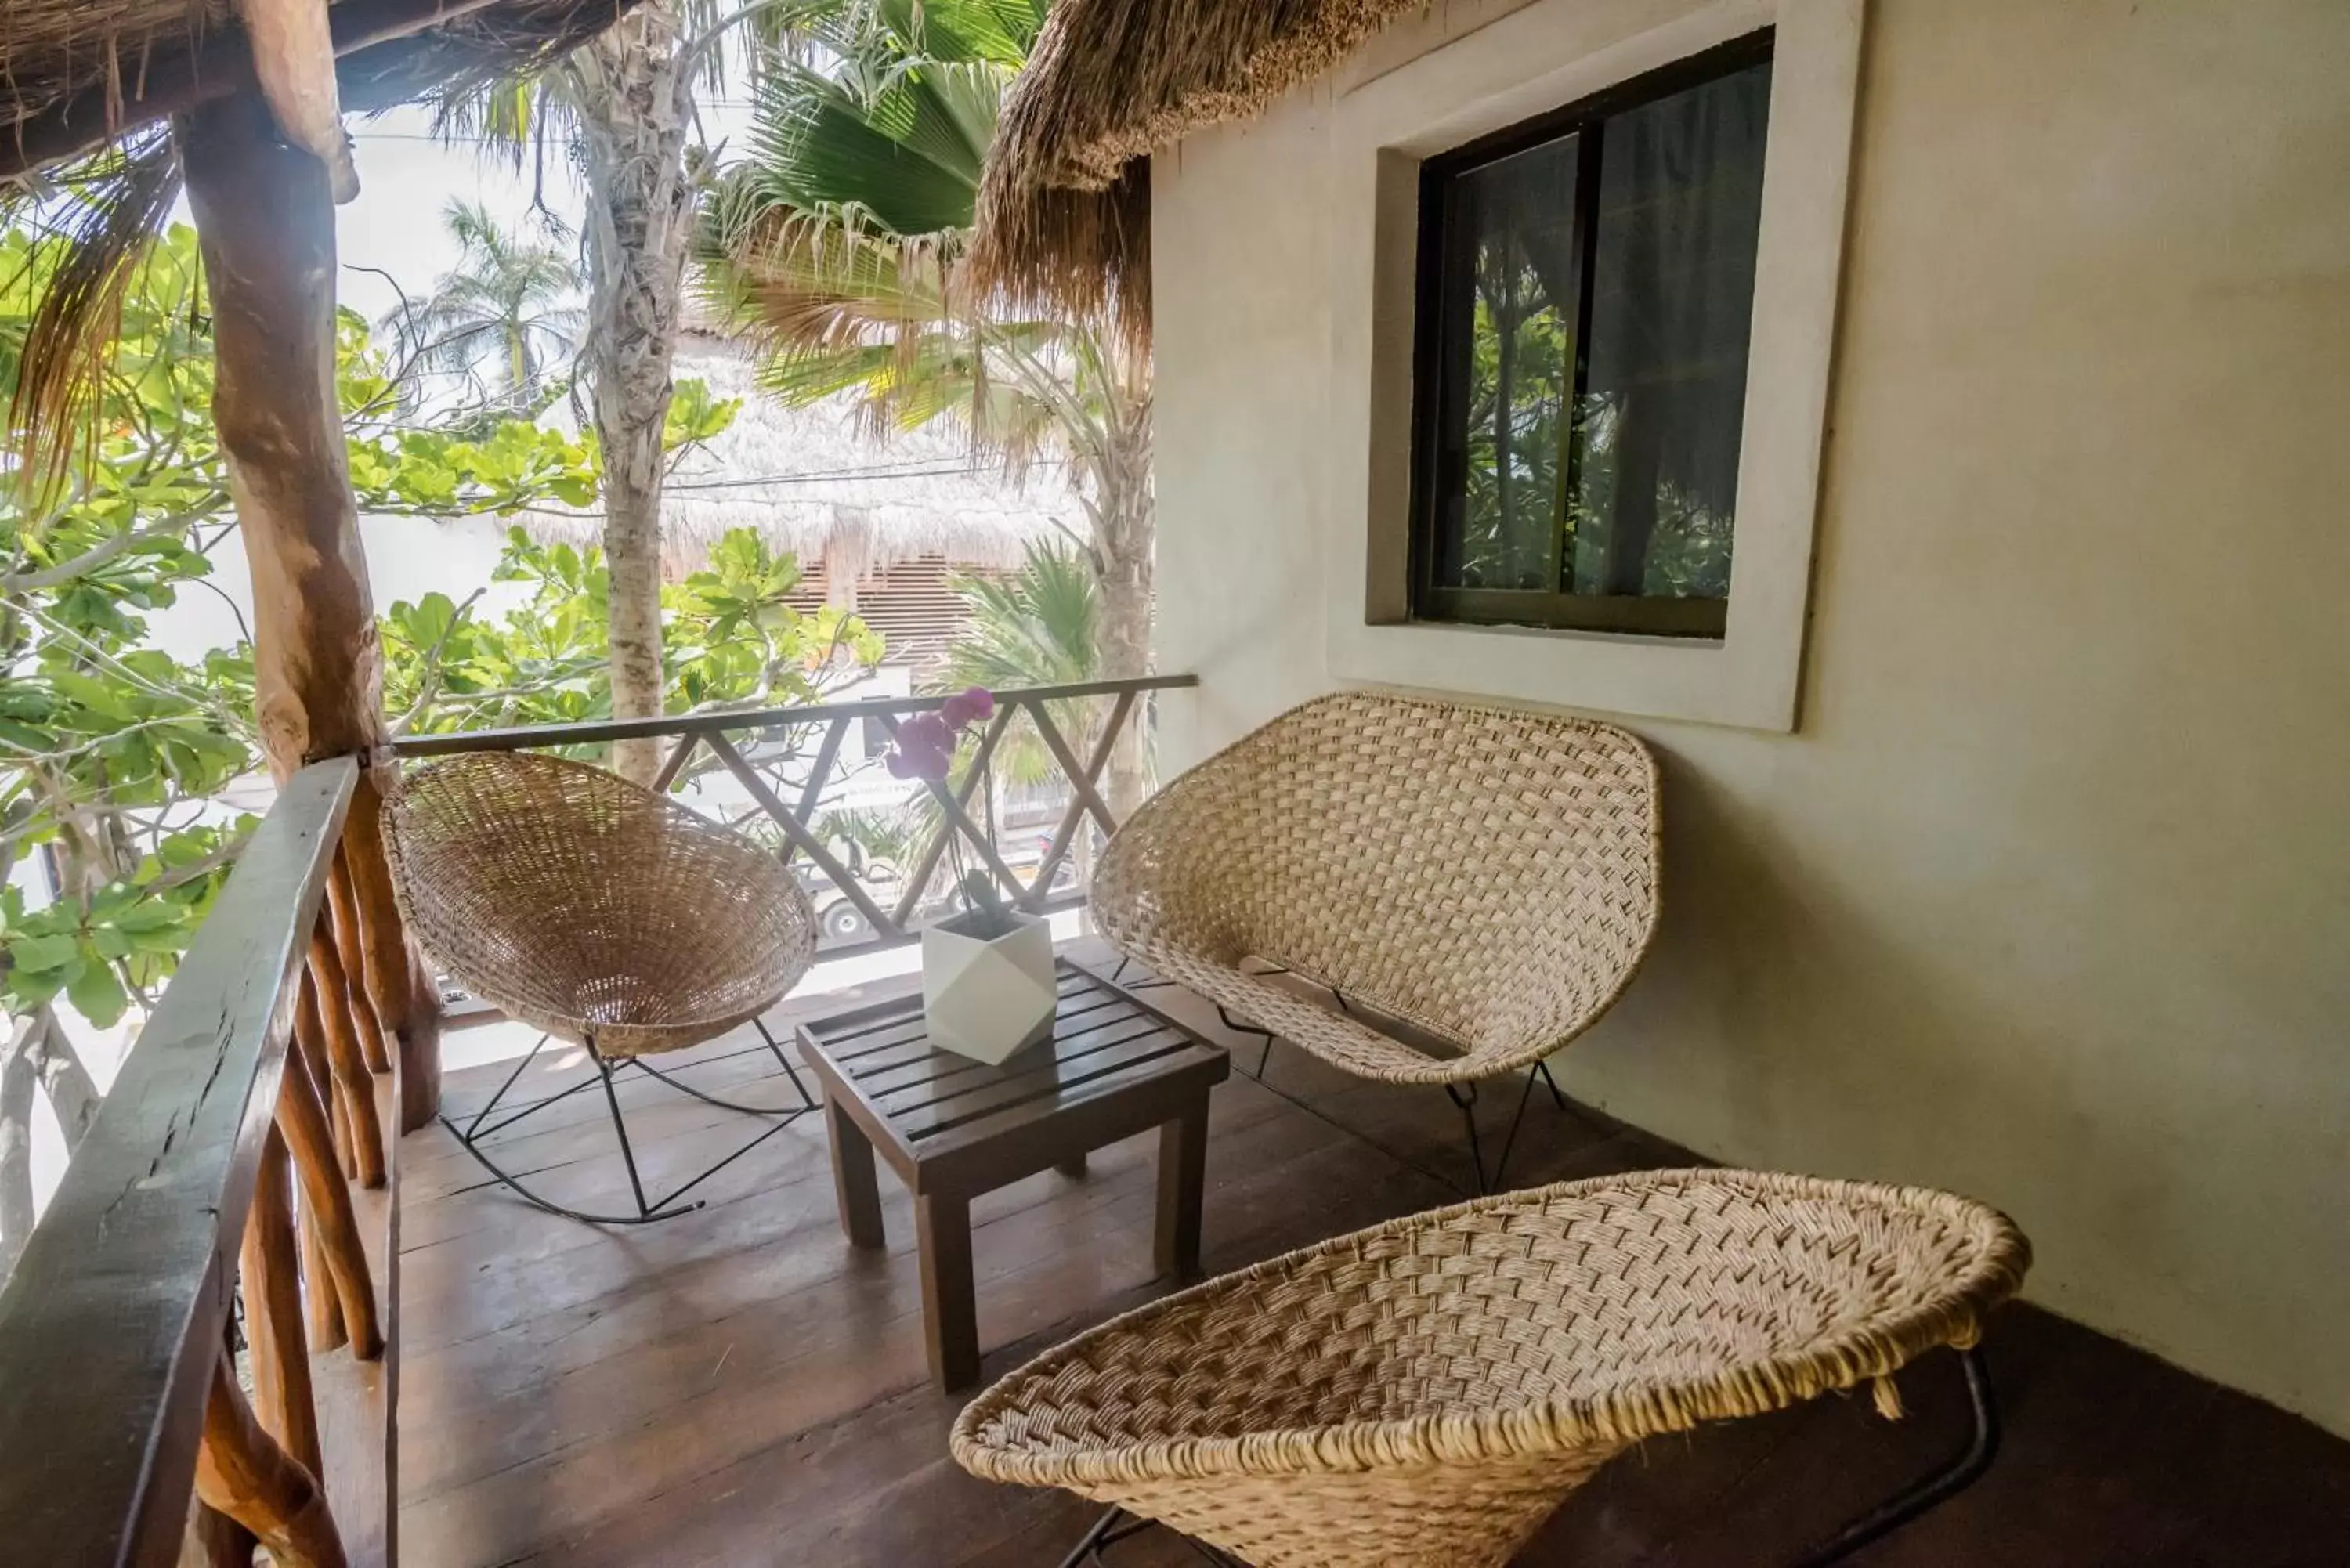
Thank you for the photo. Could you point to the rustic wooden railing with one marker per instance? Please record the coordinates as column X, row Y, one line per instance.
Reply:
column 243, row 1151
column 786, row 759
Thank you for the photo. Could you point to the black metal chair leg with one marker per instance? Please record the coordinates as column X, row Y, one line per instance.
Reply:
column 1119, row 1525
column 1556, row 1098
column 474, row 1126
column 620, row 1128
column 1930, row 1492
column 1511, row 1142
column 807, row 1101
column 1264, row 1059
column 648, row 1210
column 1465, row 1096
column 511, row 1184
column 1104, row 1531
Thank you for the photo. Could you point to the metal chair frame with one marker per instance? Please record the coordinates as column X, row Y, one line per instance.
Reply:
column 1912, row 1503
column 1463, row 1096
column 606, row 1067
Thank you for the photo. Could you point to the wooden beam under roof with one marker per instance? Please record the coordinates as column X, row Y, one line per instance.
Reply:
column 174, row 83
column 292, row 47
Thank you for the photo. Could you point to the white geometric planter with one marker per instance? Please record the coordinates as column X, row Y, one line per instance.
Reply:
column 987, row 997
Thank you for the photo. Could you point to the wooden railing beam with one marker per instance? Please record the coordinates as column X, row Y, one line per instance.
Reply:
column 670, row 770
column 1083, row 795
column 116, row 1309
column 323, row 1008
column 911, row 900
column 957, row 820
column 798, row 832
column 812, row 792
column 718, row 721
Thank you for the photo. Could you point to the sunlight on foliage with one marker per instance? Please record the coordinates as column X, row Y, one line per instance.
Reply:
column 112, row 752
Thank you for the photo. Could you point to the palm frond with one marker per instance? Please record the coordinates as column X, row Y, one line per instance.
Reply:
column 115, row 204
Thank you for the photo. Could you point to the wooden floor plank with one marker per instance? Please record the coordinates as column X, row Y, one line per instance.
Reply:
column 740, row 1386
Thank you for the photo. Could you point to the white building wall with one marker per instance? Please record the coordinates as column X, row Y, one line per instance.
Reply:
column 2047, row 898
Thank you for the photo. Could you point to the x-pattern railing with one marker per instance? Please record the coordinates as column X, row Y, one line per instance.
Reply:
column 794, row 805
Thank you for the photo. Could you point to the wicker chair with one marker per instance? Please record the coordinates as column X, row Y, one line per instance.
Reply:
column 601, row 914
column 1426, row 1392
column 1486, row 876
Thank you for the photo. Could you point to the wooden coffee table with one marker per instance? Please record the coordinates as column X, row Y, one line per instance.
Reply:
column 952, row 1128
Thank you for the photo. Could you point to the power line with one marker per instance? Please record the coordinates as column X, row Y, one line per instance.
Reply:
column 879, row 472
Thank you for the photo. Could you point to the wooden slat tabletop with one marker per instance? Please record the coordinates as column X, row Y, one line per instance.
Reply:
column 918, row 1102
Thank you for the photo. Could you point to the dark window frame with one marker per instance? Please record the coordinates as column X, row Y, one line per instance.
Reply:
column 1443, row 246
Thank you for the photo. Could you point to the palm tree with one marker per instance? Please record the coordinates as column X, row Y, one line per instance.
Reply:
column 623, row 105
column 838, row 248
column 508, row 304
column 1034, row 627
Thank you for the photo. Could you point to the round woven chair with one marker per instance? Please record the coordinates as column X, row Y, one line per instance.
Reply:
column 602, row 914
column 1485, row 876
column 1424, row 1394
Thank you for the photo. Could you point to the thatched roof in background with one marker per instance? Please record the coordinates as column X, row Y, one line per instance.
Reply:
column 1065, row 207
column 815, row 481
column 75, row 74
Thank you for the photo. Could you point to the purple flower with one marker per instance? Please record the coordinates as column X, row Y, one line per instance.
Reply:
column 968, row 707
column 924, row 748
column 912, row 762
column 927, row 730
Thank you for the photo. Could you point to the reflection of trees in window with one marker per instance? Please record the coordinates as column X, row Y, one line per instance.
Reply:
column 1521, row 367
column 1688, row 554
column 1632, row 224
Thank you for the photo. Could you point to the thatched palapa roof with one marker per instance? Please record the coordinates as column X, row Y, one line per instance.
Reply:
column 75, row 74
column 1065, row 210
column 813, row 481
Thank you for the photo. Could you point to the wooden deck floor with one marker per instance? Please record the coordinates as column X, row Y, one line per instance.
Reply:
column 738, row 1387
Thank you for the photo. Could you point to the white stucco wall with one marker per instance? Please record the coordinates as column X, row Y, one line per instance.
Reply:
column 2047, row 898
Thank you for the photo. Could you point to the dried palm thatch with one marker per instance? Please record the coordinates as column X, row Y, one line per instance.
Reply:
column 77, row 74
column 1065, row 209
column 806, row 480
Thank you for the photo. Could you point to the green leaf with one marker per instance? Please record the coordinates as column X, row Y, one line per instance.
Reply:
column 97, row 995
column 37, row 954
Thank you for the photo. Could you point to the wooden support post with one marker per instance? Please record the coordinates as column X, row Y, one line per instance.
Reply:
column 243, row 1472
column 294, row 58
column 343, row 910
column 322, row 1307
column 310, row 1042
column 420, row 1048
column 265, row 220
column 215, row 1539
column 398, row 983
column 269, row 1269
column 327, row 1203
column 354, row 1085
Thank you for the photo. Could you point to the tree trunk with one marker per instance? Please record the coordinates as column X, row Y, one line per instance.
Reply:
column 72, row 1092
column 1125, row 528
column 265, row 224
column 634, row 103
column 18, row 1079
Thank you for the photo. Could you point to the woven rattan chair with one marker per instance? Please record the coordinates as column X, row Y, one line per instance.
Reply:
column 1488, row 878
column 1424, row 1394
column 604, row 915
